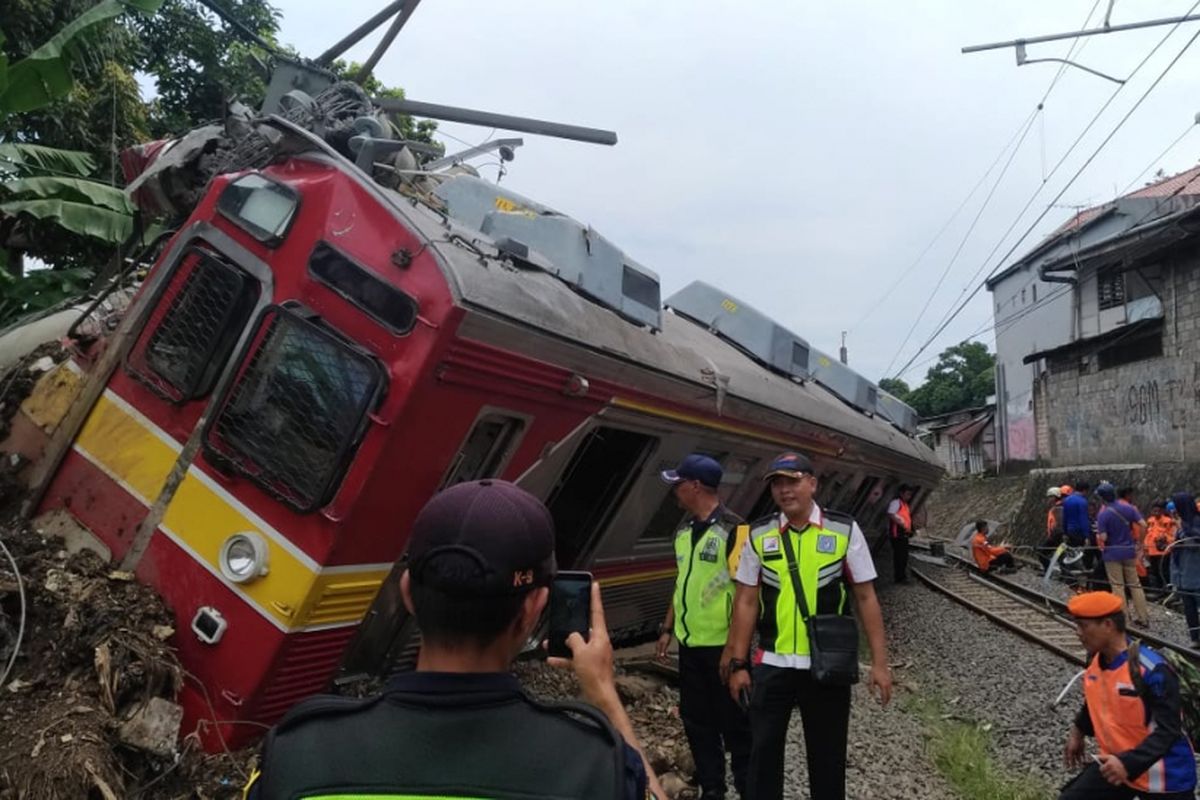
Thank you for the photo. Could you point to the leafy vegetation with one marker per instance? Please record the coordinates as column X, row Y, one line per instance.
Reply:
column 963, row 377
column 961, row 750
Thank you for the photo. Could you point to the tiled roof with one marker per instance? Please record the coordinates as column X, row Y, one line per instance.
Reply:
column 1185, row 184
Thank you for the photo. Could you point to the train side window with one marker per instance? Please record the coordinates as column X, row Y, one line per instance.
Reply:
column 385, row 303
column 485, row 450
column 291, row 419
column 592, row 487
column 764, row 505
column 666, row 521
column 196, row 322
column 860, row 496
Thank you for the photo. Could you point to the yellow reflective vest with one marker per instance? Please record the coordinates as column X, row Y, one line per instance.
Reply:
column 703, row 585
column 821, row 553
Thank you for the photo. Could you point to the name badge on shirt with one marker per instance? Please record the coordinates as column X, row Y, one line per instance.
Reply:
column 771, row 548
column 826, row 543
column 709, row 553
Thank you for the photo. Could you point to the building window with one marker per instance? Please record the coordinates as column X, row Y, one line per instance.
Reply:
column 1110, row 289
column 1035, row 293
column 1022, row 297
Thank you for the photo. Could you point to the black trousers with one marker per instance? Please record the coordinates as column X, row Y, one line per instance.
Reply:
column 825, row 716
column 1090, row 785
column 1002, row 560
column 714, row 724
column 900, row 558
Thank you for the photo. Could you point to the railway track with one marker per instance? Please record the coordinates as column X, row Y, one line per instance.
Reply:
column 1008, row 609
column 1027, row 612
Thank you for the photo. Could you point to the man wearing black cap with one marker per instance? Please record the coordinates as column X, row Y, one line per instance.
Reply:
column 699, row 618
column 481, row 557
column 801, row 552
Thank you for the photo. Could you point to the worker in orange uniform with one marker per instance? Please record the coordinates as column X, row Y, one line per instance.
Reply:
column 1160, row 532
column 1054, row 524
column 900, row 530
column 1132, row 706
column 989, row 555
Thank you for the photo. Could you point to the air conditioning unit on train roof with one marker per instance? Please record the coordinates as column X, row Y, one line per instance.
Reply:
column 761, row 337
column 896, row 411
column 576, row 253
column 843, row 381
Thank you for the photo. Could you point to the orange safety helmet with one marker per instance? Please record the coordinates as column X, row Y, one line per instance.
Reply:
column 1066, row 490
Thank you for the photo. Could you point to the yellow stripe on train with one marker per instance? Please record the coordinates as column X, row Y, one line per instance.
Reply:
column 294, row 594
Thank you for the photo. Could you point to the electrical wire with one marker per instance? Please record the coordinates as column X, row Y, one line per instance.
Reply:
column 1036, row 115
column 1019, row 132
column 959, row 308
column 962, row 243
column 1158, row 158
column 12, row 659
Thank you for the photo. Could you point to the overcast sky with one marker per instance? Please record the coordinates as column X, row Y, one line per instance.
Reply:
column 800, row 156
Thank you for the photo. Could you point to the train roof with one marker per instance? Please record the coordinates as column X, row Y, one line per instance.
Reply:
column 484, row 278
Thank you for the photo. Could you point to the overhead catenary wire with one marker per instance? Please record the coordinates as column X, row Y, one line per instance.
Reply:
column 1157, row 159
column 1036, row 115
column 1033, row 226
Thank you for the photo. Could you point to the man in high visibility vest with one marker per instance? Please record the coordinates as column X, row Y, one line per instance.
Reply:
column 1137, row 722
column 900, row 529
column 699, row 618
column 832, row 562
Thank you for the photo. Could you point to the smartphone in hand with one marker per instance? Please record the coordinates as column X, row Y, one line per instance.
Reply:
column 570, row 610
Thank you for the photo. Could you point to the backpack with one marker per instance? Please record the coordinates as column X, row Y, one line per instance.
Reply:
column 1189, row 686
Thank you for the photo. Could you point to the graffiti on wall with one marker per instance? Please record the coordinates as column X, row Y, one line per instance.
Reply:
column 1142, row 403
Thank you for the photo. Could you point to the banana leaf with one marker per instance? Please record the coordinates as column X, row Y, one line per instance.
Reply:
column 84, row 219
column 76, row 190
column 45, row 74
column 32, row 157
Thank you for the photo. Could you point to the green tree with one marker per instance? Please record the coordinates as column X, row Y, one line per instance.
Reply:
column 198, row 61
column 963, row 377
column 896, row 388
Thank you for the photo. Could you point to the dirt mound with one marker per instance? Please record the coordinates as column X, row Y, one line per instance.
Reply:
column 93, row 668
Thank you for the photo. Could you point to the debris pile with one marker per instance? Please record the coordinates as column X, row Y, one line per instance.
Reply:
column 88, row 709
column 653, row 706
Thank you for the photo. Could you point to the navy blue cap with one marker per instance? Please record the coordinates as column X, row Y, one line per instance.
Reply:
column 695, row 468
column 792, row 465
column 1107, row 491
column 483, row 537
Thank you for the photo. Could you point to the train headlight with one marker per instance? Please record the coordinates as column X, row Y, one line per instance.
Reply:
column 243, row 557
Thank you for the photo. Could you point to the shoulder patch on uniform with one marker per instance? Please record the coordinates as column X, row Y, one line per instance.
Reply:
column 826, row 543
column 839, row 522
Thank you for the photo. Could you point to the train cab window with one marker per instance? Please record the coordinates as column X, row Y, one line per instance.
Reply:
column 666, row 521
column 204, row 308
column 484, row 452
column 733, row 475
column 832, row 487
column 259, row 206
column 592, row 487
column 293, row 416
column 385, row 303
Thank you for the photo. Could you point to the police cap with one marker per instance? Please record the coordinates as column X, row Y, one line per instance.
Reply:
column 791, row 465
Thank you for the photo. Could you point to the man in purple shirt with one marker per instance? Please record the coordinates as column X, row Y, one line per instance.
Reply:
column 1114, row 533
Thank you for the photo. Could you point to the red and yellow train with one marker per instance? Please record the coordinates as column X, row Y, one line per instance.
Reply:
column 314, row 355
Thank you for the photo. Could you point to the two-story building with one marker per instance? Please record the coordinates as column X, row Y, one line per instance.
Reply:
column 1097, row 355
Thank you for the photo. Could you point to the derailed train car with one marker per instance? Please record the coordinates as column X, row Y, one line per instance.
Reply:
column 314, row 355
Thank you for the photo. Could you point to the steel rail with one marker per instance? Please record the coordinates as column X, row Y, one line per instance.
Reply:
column 1015, row 626
column 1060, row 606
